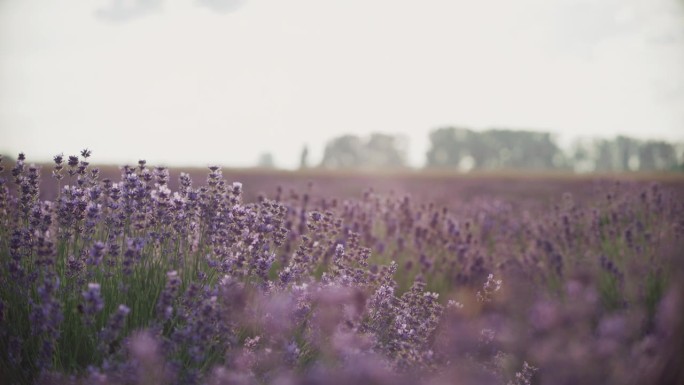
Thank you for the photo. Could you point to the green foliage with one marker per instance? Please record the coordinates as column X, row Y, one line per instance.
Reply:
column 377, row 151
column 528, row 150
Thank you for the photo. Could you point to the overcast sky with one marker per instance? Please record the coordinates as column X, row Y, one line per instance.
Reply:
column 211, row 81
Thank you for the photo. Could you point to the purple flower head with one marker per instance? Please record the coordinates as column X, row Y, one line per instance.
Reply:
column 316, row 216
column 96, row 253
column 93, row 302
column 73, row 161
column 58, row 159
column 168, row 295
column 237, row 188
column 490, row 287
column 162, row 175
column 110, row 334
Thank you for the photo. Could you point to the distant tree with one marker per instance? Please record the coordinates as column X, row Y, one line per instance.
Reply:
column 377, row 151
column 581, row 156
column 519, row 149
column 493, row 149
column 679, row 149
column 385, row 151
column 447, row 147
column 303, row 158
column 606, row 159
column 343, row 152
column 657, row 155
column 625, row 154
column 266, row 160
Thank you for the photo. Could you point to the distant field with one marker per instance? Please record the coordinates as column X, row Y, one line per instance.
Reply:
column 444, row 185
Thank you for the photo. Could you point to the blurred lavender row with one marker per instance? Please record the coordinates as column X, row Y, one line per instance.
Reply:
column 149, row 280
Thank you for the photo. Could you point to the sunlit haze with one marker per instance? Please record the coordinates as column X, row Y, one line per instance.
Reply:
column 182, row 82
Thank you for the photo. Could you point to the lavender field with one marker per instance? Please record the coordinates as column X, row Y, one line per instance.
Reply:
column 132, row 276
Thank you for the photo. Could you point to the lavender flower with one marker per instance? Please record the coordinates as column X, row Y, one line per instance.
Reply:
column 488, row 289
column 92, row 302
column 168, row 295
column 109, row 336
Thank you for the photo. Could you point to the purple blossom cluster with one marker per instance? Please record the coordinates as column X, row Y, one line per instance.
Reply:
column 130, row 282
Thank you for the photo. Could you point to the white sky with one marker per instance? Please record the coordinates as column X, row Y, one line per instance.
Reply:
column 212, row 81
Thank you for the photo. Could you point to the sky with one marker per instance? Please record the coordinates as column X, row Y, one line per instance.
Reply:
column 198, row 82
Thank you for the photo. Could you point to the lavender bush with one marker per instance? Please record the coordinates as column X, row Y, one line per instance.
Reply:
column 129, row 282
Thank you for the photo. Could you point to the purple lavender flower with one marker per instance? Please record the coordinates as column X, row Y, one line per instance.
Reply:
column 92, row 302
column 108, row 337
column 168, row 296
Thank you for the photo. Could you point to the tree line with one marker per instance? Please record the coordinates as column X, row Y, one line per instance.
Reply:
column 465, row 149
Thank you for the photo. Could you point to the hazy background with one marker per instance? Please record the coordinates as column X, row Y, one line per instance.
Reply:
column 196, row 82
